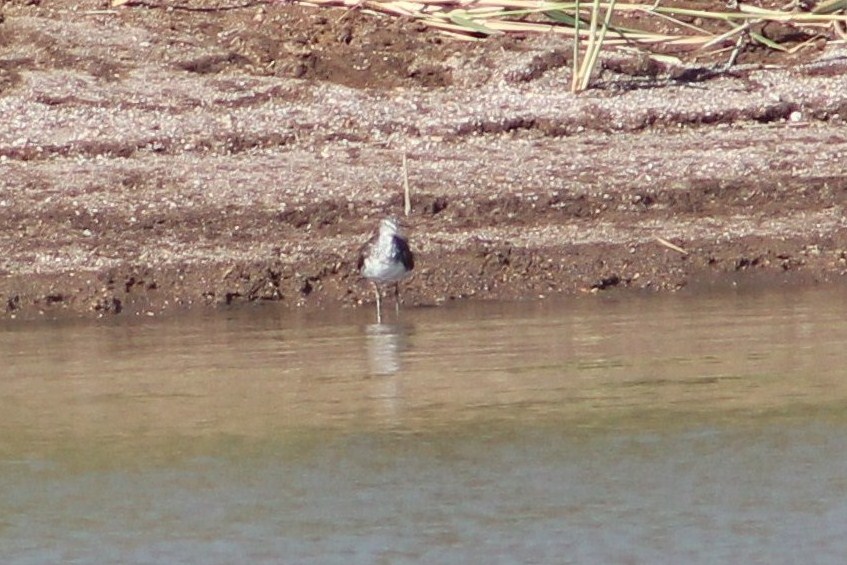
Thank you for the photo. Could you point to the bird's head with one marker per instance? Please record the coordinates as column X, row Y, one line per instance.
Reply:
column 389, row 226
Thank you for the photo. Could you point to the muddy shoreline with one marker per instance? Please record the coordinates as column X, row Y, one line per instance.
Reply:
column 153, row 162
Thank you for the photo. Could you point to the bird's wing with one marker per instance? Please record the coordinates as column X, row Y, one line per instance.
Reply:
column 404, row 254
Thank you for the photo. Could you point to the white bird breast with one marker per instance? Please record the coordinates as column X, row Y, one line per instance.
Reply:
column 384, row 271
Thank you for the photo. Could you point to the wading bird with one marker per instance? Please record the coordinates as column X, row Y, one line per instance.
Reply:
column 386, row 258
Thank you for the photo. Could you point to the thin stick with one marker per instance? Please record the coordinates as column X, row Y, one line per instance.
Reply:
column 592, row 40
column 734, row 55
column 575, row 64
column 724, row 36
column 670, row 245
column 593, row 56
column 407, row 201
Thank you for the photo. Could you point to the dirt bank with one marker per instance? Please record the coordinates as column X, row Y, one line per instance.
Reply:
column 155, row 159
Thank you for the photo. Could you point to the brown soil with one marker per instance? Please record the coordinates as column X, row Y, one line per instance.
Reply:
column 154, row 159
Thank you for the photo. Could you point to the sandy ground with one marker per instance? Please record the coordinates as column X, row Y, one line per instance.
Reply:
column 153, row 160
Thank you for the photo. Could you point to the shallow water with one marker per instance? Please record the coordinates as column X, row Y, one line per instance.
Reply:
column 632, row 430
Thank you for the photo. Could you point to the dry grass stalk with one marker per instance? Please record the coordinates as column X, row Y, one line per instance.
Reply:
column 477, row 19
column 407, row 197
column 670, row 245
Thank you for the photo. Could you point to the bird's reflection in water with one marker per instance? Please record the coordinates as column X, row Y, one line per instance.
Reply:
column 386, row 344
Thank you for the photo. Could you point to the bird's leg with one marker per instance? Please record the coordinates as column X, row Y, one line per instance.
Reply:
column 397, row 297
column 378, row 306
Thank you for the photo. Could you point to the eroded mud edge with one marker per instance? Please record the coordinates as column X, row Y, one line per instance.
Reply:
column 484, row 270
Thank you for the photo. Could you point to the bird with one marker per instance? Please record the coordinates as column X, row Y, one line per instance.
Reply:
column 386, row 258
